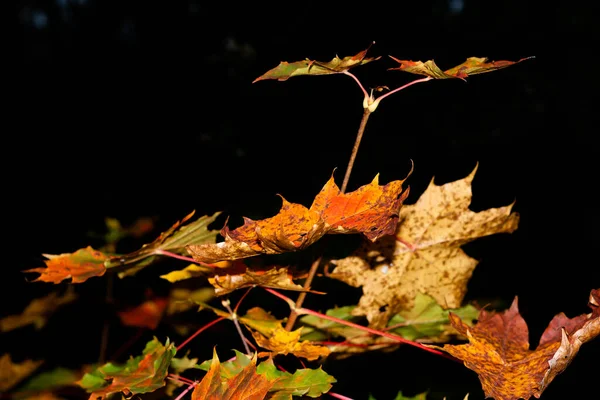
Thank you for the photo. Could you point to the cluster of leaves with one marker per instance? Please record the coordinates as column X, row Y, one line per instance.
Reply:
column 410, row 266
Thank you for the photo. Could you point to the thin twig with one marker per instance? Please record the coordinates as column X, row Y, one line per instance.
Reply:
column 359, row 135
column 374, row 105
column 199, row 331
column 311, row 274
column 234, row 318
column 396, row 338
column 184, row 258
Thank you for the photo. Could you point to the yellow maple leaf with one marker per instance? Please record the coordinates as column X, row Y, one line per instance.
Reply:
column 425, row 254
column 284, row 342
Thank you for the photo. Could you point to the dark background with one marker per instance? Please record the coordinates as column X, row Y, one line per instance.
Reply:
column 133, row 108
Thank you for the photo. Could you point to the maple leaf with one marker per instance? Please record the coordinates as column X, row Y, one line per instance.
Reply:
column 41, row 385
column 303, row 382
column 472, row 66
column 400, row 396
column 146, row 315
column 246, row 384
column 141, row 374
column 498, row 349
column 195, row 271
column 38, row 311
column 78, row 266
column 425, row 254
column 371, row 210
column 174, row 240
column 12, row 373
column 285, row 342
column 337, row 65
column 428, row 322
column 276, row 278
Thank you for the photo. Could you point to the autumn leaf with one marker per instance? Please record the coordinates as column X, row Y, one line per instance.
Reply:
column 48, row 381
column 337, row 65
column 146, row 315
column 142, row 374
column 276, row 278
column 38, row 311
column 498, row 349
column 284, row 342
column 400, row 396
column 372, row 210
column 303, row 382
column 173, row 240
column 194, row 271
column 424, row 255
column 428, row 322
column 12, row 373
column 472, row 66
column 246, row 384
column 78, row 266
column 260, row 320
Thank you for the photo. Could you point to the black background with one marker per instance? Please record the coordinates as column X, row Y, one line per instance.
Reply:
column 129, row 109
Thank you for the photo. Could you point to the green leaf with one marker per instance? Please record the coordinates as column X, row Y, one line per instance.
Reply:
column 317, row 329
column 180, row 365
column 173, row 240
column 337, row 65
column 58, row 377
column 303, row 382
column 399, row 396
column 141, row 374
column 261, row 321
column 428, row 320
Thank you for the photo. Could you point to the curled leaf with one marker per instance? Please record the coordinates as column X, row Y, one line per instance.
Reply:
column 498, row 349
column 472, row 66
column 372, row 210
column 337, row 65
column 276, row 278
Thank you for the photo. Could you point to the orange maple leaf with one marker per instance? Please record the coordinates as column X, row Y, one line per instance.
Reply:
column 372, row 210
column 498, row 349
column 146, row 315
column 79, row 266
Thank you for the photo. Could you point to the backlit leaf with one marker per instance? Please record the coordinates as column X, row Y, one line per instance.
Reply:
column 142, row 374
column 498, row 349
column 277, row 278
column 372, row 210
column 425, row 254
column 245, row 384
column 472, row 66
column 303, row 382
column 337, row 65
column 285, row 342
column 78, row 266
